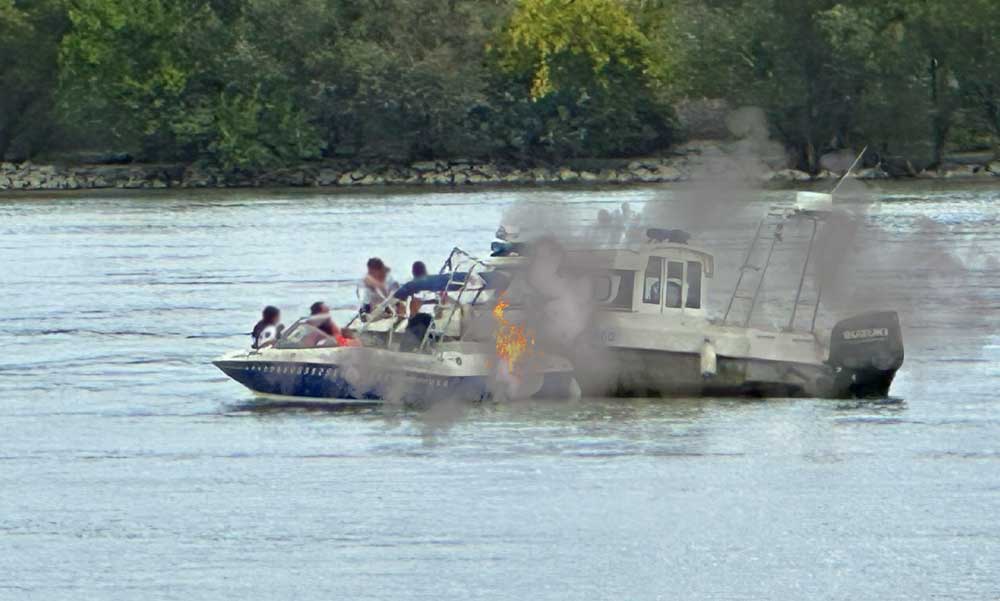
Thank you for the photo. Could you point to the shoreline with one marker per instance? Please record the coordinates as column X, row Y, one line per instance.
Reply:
column 682, row 167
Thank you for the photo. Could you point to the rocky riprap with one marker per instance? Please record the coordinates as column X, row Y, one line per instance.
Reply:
column 682, row 166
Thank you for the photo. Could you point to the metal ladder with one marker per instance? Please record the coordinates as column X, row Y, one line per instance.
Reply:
column 771, row 231
column 810, row 303
column 751, row 279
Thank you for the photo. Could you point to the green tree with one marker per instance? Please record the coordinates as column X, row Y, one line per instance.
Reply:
column 413, row 86
column 588, row 70
column 174, row 80
column 29, row 38
column 774, row 54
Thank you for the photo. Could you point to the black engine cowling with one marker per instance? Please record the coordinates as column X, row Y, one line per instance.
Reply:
column 866, row 350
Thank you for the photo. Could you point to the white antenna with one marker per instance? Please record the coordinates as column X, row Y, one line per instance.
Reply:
column 849, row 169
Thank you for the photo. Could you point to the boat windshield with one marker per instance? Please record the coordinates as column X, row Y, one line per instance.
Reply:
column 302, row 335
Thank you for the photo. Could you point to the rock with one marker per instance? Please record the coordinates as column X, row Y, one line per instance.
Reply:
column 994, row 168
column 870, row 173
column 438, row 178
column 327, row 177
column 425, row 166
column 568, row 175
column 607, row 176
column 488, row 171
column 196, row 178
column 541, row 175
column 516, row 176
column 788, row 175
column 33, row 181
column 963, row 171
column 588, row 176
column 667, row 173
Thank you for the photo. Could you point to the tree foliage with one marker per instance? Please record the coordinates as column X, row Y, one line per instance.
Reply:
column 586, row 67
column 29, row 41
column 250, row 84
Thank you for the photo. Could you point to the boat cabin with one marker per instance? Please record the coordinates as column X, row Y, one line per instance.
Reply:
column 658, row 277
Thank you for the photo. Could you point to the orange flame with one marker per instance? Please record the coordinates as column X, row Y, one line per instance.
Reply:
column 512, row 339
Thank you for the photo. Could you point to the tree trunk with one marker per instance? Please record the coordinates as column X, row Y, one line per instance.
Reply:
column 993, row 116
column 5, row 139
column 941, row 112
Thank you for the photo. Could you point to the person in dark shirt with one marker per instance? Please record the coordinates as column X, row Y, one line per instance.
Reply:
column 419, row 322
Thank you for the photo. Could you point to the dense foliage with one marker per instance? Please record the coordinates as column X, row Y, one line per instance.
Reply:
column 249, row 84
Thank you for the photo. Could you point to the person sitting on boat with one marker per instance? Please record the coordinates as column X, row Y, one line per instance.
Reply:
column 376, row 286
column 318, row 308
column 320, row 314
column 266, row 331
column 334, row 335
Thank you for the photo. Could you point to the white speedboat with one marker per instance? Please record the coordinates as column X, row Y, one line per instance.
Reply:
column 650, row 332
column 390, row 365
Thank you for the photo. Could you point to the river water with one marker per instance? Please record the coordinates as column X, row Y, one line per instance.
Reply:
column 130, row 468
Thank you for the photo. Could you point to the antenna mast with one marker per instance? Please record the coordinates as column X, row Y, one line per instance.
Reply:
column 849, row 169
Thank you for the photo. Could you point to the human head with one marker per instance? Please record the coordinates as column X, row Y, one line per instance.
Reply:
column 419, row 269
column 318, row 308
column 271, row 315
column 377, row 269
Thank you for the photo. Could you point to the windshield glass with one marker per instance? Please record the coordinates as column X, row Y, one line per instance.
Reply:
column 303, row 335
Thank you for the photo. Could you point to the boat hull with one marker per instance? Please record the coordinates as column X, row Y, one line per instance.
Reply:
column 655, row 373
column 353, row 381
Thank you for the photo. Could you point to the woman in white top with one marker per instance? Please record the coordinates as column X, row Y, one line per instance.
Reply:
column 266, row 331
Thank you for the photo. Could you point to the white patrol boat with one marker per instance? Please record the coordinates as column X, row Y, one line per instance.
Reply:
column 396, row 363
column 652, row 336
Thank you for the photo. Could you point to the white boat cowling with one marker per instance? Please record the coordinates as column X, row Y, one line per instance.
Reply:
column 813, row 202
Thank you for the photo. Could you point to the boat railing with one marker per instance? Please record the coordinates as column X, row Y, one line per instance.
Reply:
column 457, row 255
column 810, row 207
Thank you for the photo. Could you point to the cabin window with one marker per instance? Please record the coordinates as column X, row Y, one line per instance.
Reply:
column 603, row 288
column 651, row 281
column 614, row 289
column 694, row 285
column 675, row 284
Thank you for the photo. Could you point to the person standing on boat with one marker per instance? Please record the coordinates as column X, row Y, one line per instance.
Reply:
column 266, row 331
column 421, row 306
column 376, row 286
column 421, row 302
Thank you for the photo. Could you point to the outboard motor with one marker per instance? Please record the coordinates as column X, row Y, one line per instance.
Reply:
column 865, row 352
